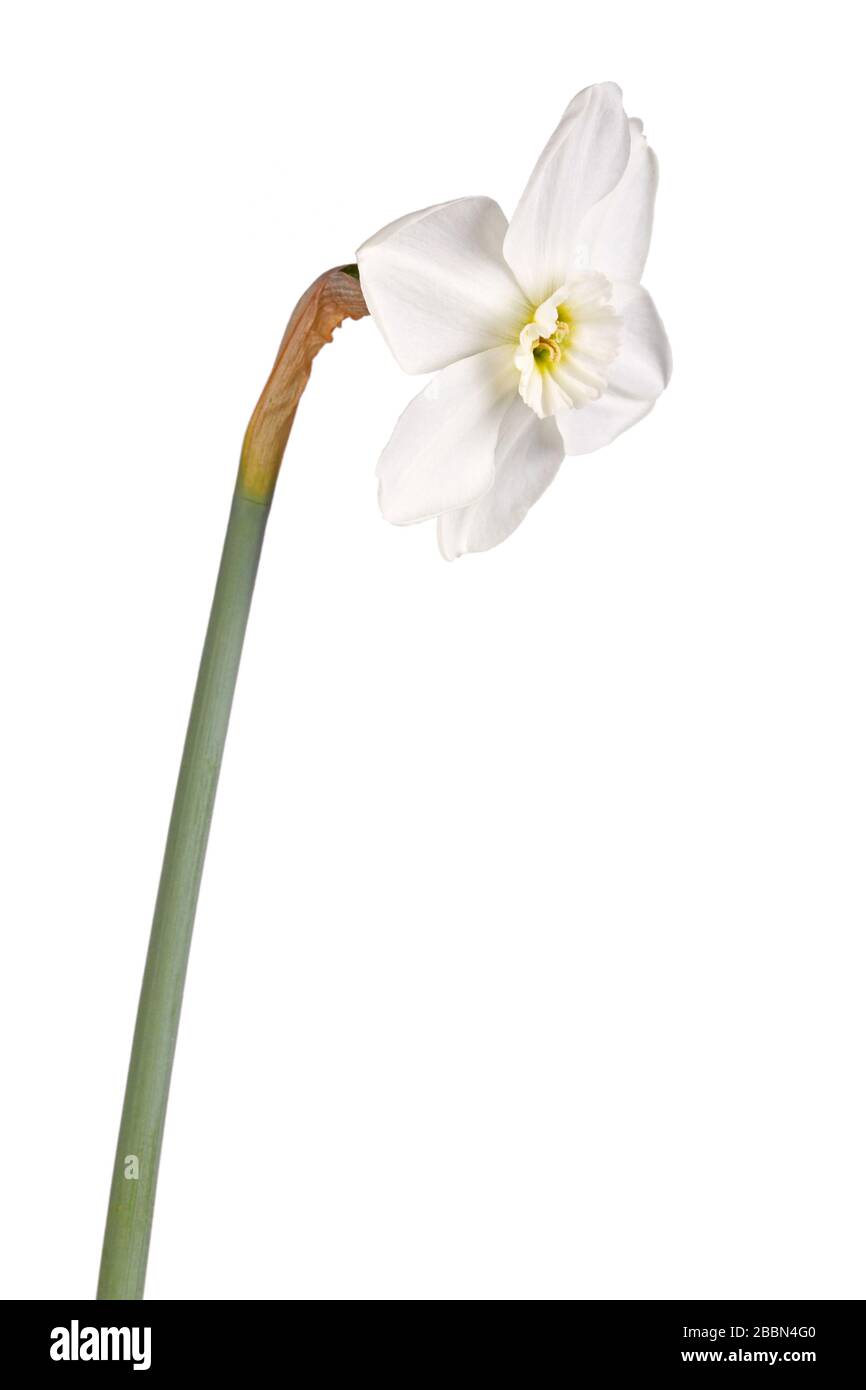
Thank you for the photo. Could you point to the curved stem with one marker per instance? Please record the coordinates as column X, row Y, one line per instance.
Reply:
column 334, row 296
column 136, row 1164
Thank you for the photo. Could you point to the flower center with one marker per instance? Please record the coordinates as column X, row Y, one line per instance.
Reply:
column 548, row 351
column 564, row 351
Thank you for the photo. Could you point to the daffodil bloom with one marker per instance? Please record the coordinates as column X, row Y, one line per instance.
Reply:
column 543, row 340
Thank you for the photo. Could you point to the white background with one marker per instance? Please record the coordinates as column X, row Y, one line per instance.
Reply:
column 529, row 957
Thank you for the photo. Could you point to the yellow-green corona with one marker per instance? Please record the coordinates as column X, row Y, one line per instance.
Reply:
column 565, row 350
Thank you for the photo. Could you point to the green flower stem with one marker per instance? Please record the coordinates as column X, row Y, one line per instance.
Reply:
column 136, row 1164
column 335, row 296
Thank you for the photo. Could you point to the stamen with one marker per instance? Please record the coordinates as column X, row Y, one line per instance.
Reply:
column 547, row 351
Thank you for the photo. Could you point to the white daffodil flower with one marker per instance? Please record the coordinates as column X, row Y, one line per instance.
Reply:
column 542, row 338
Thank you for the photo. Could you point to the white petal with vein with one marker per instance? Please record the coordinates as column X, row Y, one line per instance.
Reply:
column 441, row 453
column 583, row 160
column 437, row 285
column 528, row 454
column 643, row 365
column 617, row 231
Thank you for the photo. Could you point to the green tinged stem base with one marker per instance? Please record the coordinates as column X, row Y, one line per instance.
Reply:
column 136, row 1164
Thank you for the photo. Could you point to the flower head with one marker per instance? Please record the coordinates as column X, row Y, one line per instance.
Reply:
column 542, row 339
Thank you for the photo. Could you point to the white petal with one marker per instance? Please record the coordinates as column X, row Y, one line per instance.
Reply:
column 528, row 454
column 640, row 373
column 582, row 161
column 616, row 232
column 438, row 287
column 643, row 364
column 440, row 455
column 593, row 426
